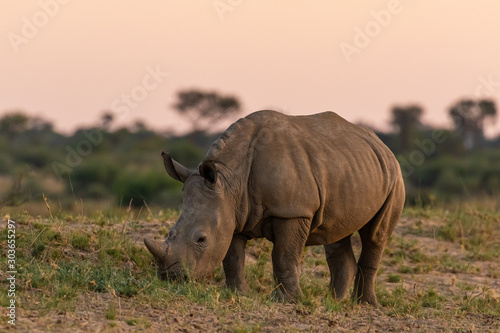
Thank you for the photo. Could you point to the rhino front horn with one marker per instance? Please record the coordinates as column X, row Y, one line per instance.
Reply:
column 157, row 249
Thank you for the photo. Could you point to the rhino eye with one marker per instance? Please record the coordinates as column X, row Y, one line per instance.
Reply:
column 201, row 239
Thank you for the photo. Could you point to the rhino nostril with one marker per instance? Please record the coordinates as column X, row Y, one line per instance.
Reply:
column 162, row 275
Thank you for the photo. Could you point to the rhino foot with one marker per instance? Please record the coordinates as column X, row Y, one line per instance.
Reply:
column 241, row 286
column 372, row 301
column 279, row 294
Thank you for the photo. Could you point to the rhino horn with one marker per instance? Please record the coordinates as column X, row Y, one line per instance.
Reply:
column 176, row 170
column 157, row 249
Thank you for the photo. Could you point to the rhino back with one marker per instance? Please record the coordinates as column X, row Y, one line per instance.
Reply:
column 319, row 167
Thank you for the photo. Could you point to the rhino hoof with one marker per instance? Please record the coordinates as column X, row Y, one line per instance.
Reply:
column 285, row 297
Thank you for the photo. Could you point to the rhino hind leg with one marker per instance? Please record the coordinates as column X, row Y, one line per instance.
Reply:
column 343, row 267
column 234, row 264
column 287, row 254
column 373, row 236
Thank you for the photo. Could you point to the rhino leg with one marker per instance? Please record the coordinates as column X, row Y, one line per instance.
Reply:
column 234, row 264
column 373, row 236
column 343, row 267
column 364, row 285
column 291, row 236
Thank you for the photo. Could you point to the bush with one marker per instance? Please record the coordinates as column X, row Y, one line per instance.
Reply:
column 5, row 164
column 37, row 157
column 185, row 152
column 144, row 186
column 449, row 182
column 451, row 177
column 94, row 177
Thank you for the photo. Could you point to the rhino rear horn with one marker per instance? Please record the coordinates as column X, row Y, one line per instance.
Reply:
column 176, row 170
column 157, row 249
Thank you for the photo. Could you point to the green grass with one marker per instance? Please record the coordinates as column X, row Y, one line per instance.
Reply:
column 404, row 269
column 473, row 225
column 451, row 264
column 476, row 231
column 70, row 258
column 403, row 302
column 111, row 311
column 394, row 278
column 80, row 240
column 403, row 251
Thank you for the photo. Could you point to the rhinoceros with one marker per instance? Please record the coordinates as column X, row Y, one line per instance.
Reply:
column 296, row 181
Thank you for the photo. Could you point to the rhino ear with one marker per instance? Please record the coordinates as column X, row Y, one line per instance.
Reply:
column 208, row 171
column 176, row 170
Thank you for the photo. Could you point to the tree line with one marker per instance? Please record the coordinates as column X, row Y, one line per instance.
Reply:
column 124, row 165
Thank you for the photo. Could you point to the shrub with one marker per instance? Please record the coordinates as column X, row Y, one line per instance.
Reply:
column 94, row 177
column 143, row 186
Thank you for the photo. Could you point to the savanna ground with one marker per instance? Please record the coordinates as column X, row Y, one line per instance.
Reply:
column 89, row 271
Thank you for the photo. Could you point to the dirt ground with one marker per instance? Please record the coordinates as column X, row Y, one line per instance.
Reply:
column 470, row 282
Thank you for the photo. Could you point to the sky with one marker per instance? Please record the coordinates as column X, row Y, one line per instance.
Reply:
column 70, row 61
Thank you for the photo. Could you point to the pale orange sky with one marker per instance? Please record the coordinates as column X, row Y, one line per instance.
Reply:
column 284, row 55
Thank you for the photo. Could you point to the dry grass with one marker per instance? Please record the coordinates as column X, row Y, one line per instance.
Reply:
column 440, row 272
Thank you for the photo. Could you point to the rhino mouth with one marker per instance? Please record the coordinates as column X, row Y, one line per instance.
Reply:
column 174, row 272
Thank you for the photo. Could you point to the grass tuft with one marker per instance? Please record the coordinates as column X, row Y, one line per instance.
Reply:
column 68, row 263
column 394, row 278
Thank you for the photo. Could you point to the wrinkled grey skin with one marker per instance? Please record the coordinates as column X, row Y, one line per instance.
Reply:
column 297, row 181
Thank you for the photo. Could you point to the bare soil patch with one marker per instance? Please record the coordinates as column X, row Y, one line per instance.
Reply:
column 442, row 288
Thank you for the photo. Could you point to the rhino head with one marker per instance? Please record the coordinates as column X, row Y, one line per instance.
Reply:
column 199, row 240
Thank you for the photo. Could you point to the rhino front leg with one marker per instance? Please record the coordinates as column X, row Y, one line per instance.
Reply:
column 289, row 238
column 234, row 264
column 343, row 267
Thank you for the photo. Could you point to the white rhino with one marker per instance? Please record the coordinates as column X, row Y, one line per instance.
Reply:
column 297, row 181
